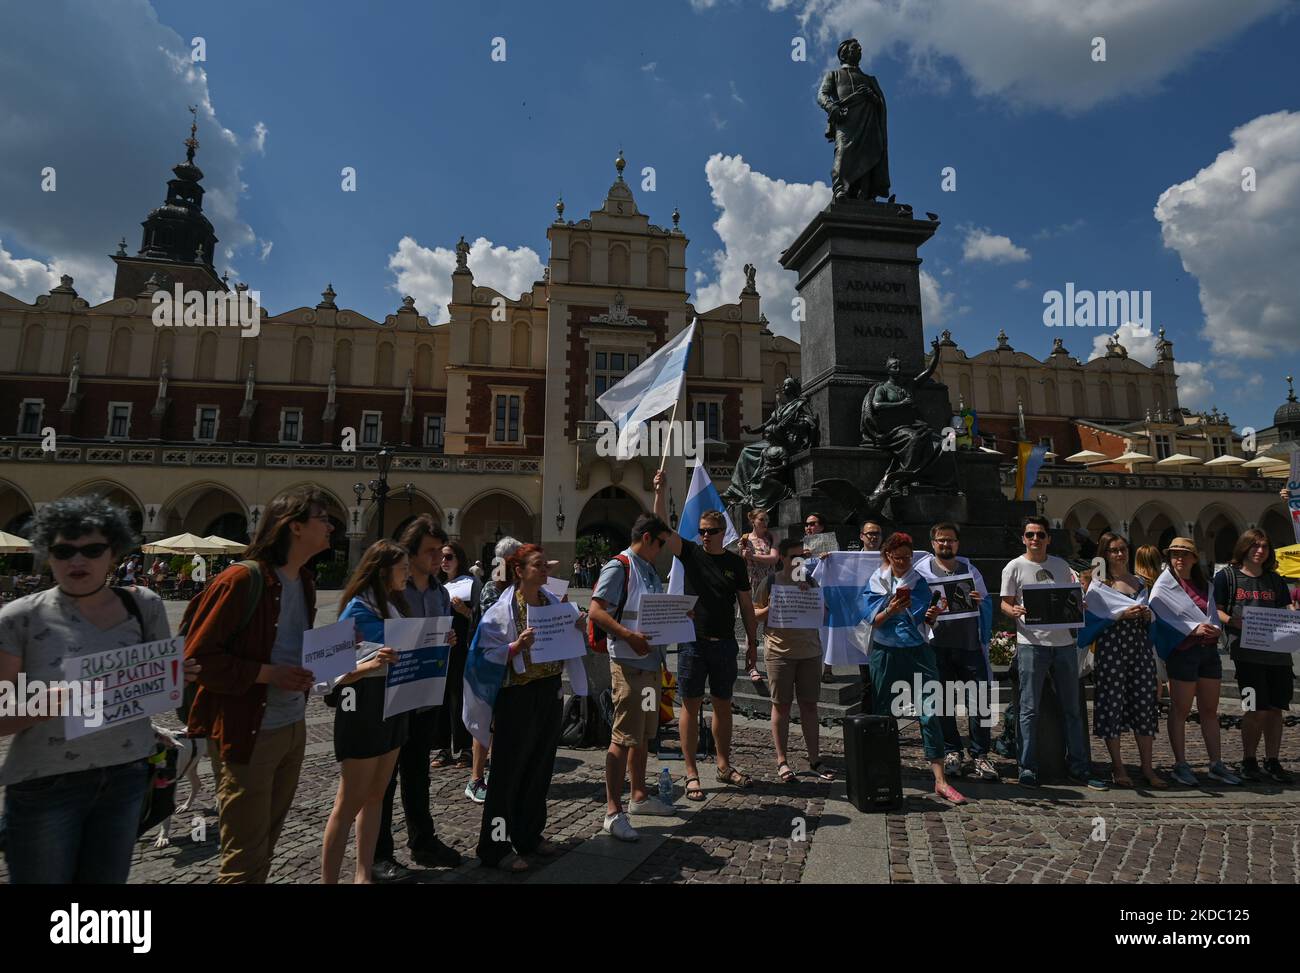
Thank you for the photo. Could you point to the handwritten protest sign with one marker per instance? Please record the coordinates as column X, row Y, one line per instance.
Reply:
column 138, row 681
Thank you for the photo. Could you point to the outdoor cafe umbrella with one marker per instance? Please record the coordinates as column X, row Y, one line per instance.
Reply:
column 1225, row 460
column 184, row 544
column 13, row 544
column 228, row 546
column 1087, row 456
column 1178, row 459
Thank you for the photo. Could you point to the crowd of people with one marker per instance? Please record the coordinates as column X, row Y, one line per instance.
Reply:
column 72, row 813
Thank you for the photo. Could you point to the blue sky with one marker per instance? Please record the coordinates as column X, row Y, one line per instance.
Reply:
column 1060, row 159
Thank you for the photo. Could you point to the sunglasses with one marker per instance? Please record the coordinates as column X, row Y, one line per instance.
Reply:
column 710, row 531
column 66, row 552
column 1035, row 534
column 449, row 557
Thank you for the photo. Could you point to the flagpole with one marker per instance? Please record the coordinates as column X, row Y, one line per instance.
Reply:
column 672, row 424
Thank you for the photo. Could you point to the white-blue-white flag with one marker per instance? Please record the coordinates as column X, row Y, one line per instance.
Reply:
column 701, row 496
column 647, row 390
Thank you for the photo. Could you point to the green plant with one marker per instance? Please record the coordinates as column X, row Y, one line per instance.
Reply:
column 594, row 546
column 1002, row 648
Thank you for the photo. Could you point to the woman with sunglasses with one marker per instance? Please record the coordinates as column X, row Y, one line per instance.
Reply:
column 72, row 807
column 450, row 736
column 1195, row 671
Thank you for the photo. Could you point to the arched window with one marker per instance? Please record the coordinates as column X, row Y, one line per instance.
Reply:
column 995, row 394
column 964, row 387
column 658, row 267
column 1107, row 401
column 247, row 357
column 1134, row 402
column 479, row 350
column 731, row 356
column 1022, row 393
column 618, row 264
column 343, row 363
column 580, row 263
column 164, row 350
column 424, row 367
column 77, row 346
column 520, row 353
column 33, row 339
column 301, row 361
column 1079, row 399
column 119, row 355
column 205, row 361
column 1053, row 399
column 384, row 365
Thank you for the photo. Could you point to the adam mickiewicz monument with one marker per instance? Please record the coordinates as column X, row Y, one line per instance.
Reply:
column 857, row 124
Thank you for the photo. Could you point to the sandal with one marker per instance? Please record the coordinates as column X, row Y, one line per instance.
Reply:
column 730, row 775
column 818, row 767
column 1120, row 780
column 513, row 864
column 461, row 763
column 440, row 760
column 784, row 772
column 696, row 794
column 755, row 676
column 1156, row 782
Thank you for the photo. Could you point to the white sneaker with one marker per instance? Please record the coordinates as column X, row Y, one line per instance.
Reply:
column 619, row 826
column 653, row 806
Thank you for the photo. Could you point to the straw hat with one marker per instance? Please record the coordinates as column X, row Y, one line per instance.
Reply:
column 1183, row 544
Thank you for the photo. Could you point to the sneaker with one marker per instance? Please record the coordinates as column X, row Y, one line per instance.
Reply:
column 1028, row 778
column 652, row 806
column 389, row 871
column 437, row 855
column 476, row 791
column 619, row 826
column 1220, row 772
column 984, row 769
column 1249, row 770
column 1279, row 774
column 1085, row 779
column 1184, row 774
column 952, row 765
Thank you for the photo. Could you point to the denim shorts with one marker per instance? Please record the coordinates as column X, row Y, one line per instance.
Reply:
column 714, row 661
column 1195, row 662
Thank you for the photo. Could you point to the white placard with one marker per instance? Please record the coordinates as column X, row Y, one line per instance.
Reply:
column 329, row 653
column 418, row 679
column 1270, row 629
column 1051, row 607
column 662, row 619
column 793, row 606
column 957, row 589
column 555, row 635
column 461, row 588
column 137, row 681
column 556, row 586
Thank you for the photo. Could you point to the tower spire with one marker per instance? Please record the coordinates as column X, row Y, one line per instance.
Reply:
column 192, row 143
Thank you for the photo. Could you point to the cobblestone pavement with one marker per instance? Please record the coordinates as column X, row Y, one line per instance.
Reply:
column 773, row 831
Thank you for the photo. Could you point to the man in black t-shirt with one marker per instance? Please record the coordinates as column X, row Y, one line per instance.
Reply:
column 720, row 580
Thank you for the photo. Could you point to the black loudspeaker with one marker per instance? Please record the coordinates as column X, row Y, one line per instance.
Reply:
column 875, row 773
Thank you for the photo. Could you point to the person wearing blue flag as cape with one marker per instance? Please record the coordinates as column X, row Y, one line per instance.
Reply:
column 903, row 666
column 1117, row 618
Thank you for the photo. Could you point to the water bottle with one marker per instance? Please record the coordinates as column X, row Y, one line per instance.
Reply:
column 665, row 786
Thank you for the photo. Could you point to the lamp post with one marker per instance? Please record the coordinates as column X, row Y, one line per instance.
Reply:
column 559, row 516
column 672, row 510
column 379, row 487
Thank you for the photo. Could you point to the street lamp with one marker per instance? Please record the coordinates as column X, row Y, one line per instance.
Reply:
column 559, row 516
column 379, row 487
column 672, row 510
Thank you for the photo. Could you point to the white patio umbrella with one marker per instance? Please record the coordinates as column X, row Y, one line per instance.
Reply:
column 228, row 546
column 1178, row 460
column 985, row 449
column 184, row 544
column 1087, row 456
column 1225, row 460
column 1131, row 457
column 13, row 544
column 1265, row 462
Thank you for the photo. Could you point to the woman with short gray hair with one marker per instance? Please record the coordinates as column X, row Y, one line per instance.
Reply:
column 72, row 809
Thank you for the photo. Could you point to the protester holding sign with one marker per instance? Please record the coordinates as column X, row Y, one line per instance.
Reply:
column 451, row 731
column 634, row 666
column 793, row 658
column 1265, row 679
column 246, row 629
column 901, row 611
column 960, row 644
column 365, row 744
column 1188, row 640
column 73, row 810
column 1118, row 619
column 1039, row 651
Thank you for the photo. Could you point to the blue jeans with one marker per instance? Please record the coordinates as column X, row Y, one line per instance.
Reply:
column 1063, row 661
column 75, row 828
column 964, row 666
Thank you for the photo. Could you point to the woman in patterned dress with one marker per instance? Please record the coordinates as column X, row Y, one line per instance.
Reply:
column 761, row 557
column 1126, row 672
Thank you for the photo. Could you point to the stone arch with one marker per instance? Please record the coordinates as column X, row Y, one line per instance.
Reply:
column 16, row 509
column 398, row 513
column 658, row 276
column 480, row 349
column 521, row 355
column 301, row 361
column 1275, row 522
column 29, row 358
column 1155, row 523
column 610, row 513
column 1091, row 517
column 197, row 507
column 1216, row 531
column 619, row 264
column 580, row 263
column 113, row 492
column 494, row 510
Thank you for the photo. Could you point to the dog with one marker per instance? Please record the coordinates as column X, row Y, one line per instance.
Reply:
column 187, row 766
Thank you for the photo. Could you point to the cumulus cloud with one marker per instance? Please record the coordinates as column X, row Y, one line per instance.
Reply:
column 1240, row 245
column 1037, row 52
column 995, row 248
column 1194, row 384
column 24, row 277
column 112, row 136
column 425, row 273
column 758, row 217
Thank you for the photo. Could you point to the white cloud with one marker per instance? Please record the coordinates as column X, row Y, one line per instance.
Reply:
column 1194, row 384
column 982, row 245
column 112, row 145
column 24, row 277
column 1062, row 229
column 425, row 273
column 650, row 70
column 735, row 95
column 266, row 249
column 758, row 218
column 1241, row 246
column 1038, row 52
column 259, row 138
column 1023, row 284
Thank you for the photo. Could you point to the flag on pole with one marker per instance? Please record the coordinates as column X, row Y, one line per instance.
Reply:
column 647, row 390
column 701, row 496
column 1028, row 460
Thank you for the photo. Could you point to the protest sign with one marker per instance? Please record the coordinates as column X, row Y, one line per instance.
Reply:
column 329, row 653
column 418, row 679
column 137, row 681
column 555, row 634
column 662, row 619
column 1052, row 606
column 1270, row 629
column 793, row 606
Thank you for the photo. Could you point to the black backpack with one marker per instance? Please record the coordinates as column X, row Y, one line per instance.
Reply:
column 586, row 721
